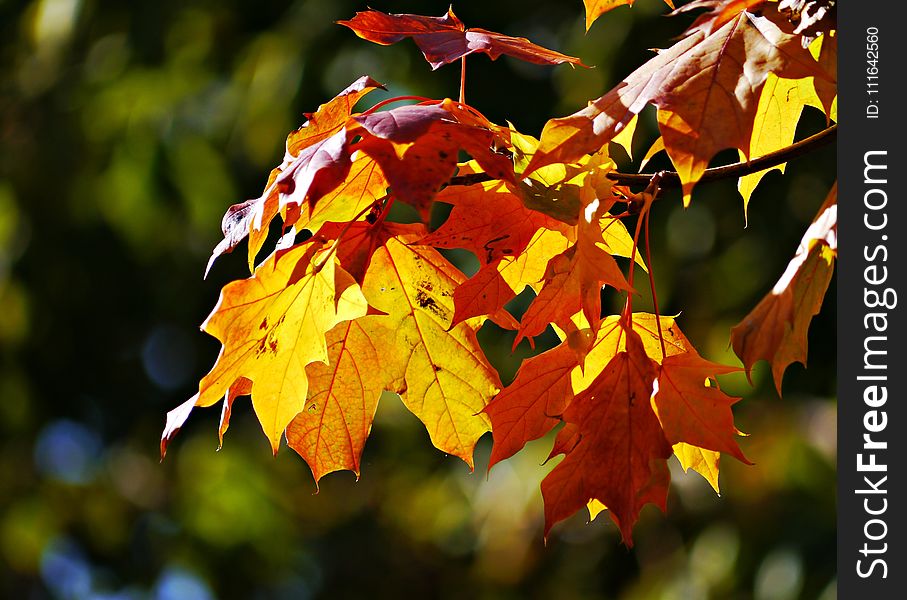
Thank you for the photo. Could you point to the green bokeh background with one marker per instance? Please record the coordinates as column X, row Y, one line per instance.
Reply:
column 127, row 128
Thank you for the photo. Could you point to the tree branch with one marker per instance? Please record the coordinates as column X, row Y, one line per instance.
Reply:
column 670, row 179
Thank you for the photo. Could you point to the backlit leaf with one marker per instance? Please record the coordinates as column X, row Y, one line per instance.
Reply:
column 445, row 39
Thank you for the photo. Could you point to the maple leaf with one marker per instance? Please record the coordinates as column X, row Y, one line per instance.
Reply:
column 596, row 8
column 531, row 406
column 573, row 282
column 501, row 280
column 417, row 146
column 364, row 185
column 439, row 368
column 719, row 12
column 776, row 330
column 705, row 87
column 780, row 105
column 445, row 39
column 342, row 398
column 272, row 325
column 251, row 218
column 620, row 457
column 692, row 411
column 477, row 221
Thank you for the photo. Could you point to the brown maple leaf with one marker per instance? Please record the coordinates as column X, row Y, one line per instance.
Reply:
column 776, row 330
column 445, row 39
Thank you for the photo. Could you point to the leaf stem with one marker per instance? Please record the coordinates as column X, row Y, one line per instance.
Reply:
column 661, row 337
column 462, row 80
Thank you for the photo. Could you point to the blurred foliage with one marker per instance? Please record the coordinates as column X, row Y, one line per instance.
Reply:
column 126, row 129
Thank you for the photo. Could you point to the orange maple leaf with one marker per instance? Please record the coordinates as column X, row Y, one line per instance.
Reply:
column 691, row 411
column 573, row 282
column 620, row 456
column 776, row 330
column 531, row 406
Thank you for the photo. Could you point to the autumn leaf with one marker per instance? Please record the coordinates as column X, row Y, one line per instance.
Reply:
column 417, row 146
column 342, row 398
column 780, row 106
column 476, row 222
column 441, row 373
column 445, row 39
column 251, row 218
column 573, row 282
column 501, row 280
column 705, row 462
column 705, row 87
column 776, row 330
column 620, row 457
column 364, row 185
column 693, row 411
column 531, row 406
column 596, row 8
column 272, row 325
column 719, row 12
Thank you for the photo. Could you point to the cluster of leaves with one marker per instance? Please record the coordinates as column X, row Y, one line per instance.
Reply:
column 364, row 305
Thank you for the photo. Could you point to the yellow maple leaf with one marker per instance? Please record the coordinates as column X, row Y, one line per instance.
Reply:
column 442, row 374
column 272, row 325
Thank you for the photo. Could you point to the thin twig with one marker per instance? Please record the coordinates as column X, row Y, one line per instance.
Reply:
column 670, row 179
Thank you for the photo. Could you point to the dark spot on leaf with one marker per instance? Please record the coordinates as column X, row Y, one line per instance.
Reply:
column 264, row 323
column 424, row 300
column 437, row 368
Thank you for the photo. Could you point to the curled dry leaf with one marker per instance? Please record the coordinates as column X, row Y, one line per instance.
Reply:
column 251, row 218
column 445, row 39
